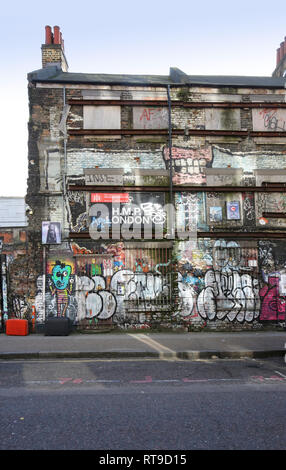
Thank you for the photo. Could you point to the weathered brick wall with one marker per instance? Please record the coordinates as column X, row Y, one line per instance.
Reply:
column 54, row 54
column 209, row 294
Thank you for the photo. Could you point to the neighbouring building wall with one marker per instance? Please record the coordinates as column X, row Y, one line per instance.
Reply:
column 13, row 249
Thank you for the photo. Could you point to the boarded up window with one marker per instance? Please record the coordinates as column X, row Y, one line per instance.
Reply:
column 101, row 117
column 53, row 175
column 269, row 119
column 223, row 119
column 150, row 118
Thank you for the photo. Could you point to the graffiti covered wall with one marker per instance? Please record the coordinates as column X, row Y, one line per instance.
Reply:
column 216, row 282
column 210, row 281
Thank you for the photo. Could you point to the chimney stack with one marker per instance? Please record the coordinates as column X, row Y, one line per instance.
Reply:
column 48, row 35
column 53, row 49
column 282, row 52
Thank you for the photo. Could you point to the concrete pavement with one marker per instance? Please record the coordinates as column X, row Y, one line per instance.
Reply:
column 187, row 345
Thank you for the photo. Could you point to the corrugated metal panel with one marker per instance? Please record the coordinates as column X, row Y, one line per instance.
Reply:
column 12, row 212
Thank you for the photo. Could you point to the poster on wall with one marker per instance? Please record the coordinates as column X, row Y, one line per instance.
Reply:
column 215, row 214
column 139, row 208
column 51, row 233
column 233, row 210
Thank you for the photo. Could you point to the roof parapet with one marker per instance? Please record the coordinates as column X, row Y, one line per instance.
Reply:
column 44, row 74
column 177, row 76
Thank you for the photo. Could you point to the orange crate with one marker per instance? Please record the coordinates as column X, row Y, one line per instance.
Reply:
column 17, row 327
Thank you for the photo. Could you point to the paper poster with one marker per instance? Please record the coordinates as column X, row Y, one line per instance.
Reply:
column 233, row 210
column 51, row 233
column 215, row 214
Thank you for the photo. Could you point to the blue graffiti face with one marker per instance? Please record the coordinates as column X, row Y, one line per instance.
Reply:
column 61, row 275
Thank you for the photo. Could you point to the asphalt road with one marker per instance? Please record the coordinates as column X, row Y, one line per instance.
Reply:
column 145, row 405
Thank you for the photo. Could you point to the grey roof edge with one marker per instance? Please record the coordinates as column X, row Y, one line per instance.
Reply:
column 100, row 79
column 54, row 74
column 237, row 81
column 46, row 73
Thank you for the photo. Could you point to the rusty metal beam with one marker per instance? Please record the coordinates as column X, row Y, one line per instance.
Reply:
column 155, row 103
column 101, row 188
column 243, row 235
column 274, row 215
column 180, row 188
column 177, row 103
column 74, row 132
column 272, row 184
column 220, row 234
column 165, row 132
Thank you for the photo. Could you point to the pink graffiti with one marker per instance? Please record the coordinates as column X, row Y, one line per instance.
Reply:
column 189, row 164
column 272, row 304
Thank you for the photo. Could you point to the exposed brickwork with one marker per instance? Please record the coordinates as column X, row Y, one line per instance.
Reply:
column 53, row 54
column 217, row 282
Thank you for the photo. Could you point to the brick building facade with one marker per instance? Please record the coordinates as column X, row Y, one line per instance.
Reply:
column 212, row 147
column 14, row 283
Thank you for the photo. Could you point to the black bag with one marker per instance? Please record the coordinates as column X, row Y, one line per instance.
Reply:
column 57, row 326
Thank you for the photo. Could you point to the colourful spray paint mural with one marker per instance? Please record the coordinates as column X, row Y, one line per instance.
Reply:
column 60, row 288
column 215, row 281
column 222, row 280
column 193, row 282
column 272, row 259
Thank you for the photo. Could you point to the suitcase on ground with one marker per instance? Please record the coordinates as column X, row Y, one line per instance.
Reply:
column 17, row 327
column 57, row 326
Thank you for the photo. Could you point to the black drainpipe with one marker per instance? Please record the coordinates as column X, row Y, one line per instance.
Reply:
column 171, row 196
column 170, row 146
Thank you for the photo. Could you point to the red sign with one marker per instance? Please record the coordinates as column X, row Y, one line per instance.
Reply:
column 109, row 197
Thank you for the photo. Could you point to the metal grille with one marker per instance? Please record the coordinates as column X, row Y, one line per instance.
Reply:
column 149, row 277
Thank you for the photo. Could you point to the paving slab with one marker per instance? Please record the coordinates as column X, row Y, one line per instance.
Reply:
column 186, row 345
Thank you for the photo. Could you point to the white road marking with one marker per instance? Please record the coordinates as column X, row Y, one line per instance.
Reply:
column 280, row 373
column 165, row 353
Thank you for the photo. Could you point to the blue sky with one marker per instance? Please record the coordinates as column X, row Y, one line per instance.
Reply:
column 209, row 37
